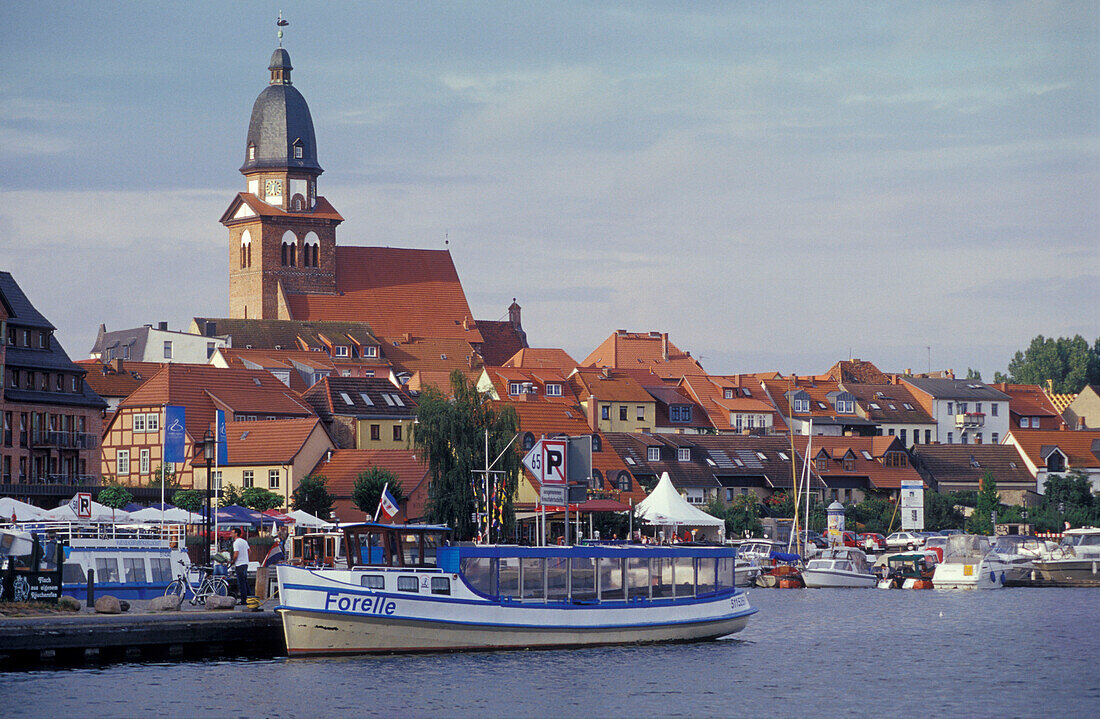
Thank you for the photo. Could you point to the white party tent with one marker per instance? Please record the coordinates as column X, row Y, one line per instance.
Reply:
column 23, row 512
column 173, row 515
column 100, row 513
column 666, row 508
column 303, row 518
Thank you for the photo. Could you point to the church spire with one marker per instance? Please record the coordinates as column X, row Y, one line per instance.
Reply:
column 280, row 66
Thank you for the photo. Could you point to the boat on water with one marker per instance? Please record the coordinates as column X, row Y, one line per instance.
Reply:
column 839, row 567
column 1020, row 552
column 405, row 589
column 969, row 562
column 1075, row 562
column 129, row 562
column 906, row 570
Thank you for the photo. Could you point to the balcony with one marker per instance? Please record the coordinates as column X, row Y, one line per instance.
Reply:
column 65, row 440
column 970, row 420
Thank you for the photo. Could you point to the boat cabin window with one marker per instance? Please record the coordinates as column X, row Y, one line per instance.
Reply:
column 441, row 585
column 611, row 579
column 106, row 569
column 372, row 581
column 135, row 569
column 480, row 573
column 160, row 569
column 557, row 579
column 584, row 579
column 637, row 575
column 508, row 577
column 72, row 573
column 1081, row 540
column 533, row 577
column 408, row 584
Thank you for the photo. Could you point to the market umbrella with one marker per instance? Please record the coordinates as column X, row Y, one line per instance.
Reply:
column 23, row 512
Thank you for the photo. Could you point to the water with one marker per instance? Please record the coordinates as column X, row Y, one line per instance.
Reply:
column 861, row 653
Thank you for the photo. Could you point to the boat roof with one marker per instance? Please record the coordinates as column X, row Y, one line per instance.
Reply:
column 398, row 527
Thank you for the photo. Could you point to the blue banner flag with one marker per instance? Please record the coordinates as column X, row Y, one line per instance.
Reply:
column 223, row 439
column 175, row 434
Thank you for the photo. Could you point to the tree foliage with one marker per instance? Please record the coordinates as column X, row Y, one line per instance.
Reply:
column 450, row 433
column 230, row 495
column 115, row 496
column 941, row 512
column 981, row 521
column 312, row 495
column 260, row 499
column 168, row 474
column 741, row 515
column 1069, row 362
column 189, row 499
column 366, row 492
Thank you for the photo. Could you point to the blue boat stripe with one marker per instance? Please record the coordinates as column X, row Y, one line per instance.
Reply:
column 556, row 627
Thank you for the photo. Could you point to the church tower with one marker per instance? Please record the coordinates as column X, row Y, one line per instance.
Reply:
column 282, row 235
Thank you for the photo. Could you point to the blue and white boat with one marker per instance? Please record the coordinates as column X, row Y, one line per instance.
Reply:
column 405, row 589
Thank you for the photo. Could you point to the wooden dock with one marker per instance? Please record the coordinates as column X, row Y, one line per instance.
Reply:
column 30, row 642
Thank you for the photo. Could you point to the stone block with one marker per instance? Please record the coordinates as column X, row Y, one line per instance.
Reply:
column 68, row 604
column 169, row 603
column 108, row 605
column 217, row 602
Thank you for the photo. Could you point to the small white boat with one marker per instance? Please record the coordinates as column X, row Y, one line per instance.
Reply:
column 839, row 567
column 1020, row 552
column 405, row 590
column 1076, row 560
column 969, row 563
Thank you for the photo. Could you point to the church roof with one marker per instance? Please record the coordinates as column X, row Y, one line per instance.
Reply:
column 280, row 121
column 396, row 291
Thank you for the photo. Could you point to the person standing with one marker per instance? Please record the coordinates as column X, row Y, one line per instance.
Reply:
column 239, row 560
column 275, row 555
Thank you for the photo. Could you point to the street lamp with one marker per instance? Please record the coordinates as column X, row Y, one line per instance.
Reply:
column 208, row 452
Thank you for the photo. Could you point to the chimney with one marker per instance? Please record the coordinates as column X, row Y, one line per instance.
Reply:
column 116, row 365
column 513, row 314
column 407, row 338
column 163, row 326
column 664, row 346
column 605, row 372
column 210, row 329
column 466, row 323
column 1050, row 386
column 1080, row 423
column 328, row 455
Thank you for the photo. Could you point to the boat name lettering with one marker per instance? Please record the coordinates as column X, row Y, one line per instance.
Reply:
column 738, row 601
column 362, row 605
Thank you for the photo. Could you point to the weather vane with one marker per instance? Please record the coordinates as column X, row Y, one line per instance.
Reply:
column 281, row 23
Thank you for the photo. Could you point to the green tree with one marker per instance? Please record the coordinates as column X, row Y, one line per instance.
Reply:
column 312, row 496
column 873, row 514
column 230, row 495
column 168, row 474
column 260, row 499
column 741, row 515
column 366, row 492
column 1069, row 362
column 190, row 499
column 973, row 374
column 940, row 512
column 451, row 434
column 981, row 521
column 115, row 496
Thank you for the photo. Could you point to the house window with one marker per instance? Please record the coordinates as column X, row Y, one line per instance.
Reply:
column 949, row 405
column 737, row 420
column 597, row 444
column 152, row 422
column 822, row 463
column 376, row 432
column 683, row 454
column 297, row 152
column 139, row 423
column 347, row 399
column 950, row 437
column 528, row 442
column 397, row 433
column 963, row 439
column 844, row 406
column 209, row 350
column 605, row 412
column 727, row 393
column 802, row 405
column 167, row 349
column 273, row 479
column 251, row 152
column 978, row 438
column 247, row 478
column 515, row 388
column 123, row 458
column 622, row 412
column 366, row 399
column 928, row 436
column 595, row 481
column 901, row 435
column 994, row 437
column 1056, row 462
column 961, row 407
column 978, row 407
column 340, row 351
column 653, row 454
column 370, row 351
column 1025, row 422
column 553, row 390
column 641, row 413
column 624, row 481
column 216, row 480
column 144, row 461
column 680, row 413
column 993, row 407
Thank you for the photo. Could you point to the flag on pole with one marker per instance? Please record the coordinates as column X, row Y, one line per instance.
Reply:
column 222, row 438
column 388, row 503
column 175, row 433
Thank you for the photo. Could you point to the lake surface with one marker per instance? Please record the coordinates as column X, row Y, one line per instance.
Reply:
column 818, row 652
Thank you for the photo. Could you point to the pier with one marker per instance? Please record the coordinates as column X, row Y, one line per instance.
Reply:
column 30, row 642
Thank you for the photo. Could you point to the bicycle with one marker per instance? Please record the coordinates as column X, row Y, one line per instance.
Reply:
column 208, row 586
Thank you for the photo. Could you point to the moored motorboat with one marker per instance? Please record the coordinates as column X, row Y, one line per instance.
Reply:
column 1075, row 562
column 404, row 589
column 969, row 562
column 1019, row 552
column 839, row 567
column 906, row 570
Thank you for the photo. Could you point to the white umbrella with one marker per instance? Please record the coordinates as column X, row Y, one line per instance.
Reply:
column 175, row 515
column 303, row 518
column 23, row 512
column 100, row 513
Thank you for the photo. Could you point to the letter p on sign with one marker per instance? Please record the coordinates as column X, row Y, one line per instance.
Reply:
column 553, row 464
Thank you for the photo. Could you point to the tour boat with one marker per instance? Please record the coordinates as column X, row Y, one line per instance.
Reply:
column 1075, row 562
column 406, row 589
column 839, row 567
column 969, row 563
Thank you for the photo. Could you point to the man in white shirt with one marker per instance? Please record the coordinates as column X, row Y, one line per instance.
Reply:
column 239, row 561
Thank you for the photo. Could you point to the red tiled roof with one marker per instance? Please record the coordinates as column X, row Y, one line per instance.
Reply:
column 881, row 476
column 323, row 210
column 501, row 341
column 1081, row 447
column 710, row 393
column 542, row 358
column 275, row 441
column 502, row 377
column 395, row 290
column 202, row 389
column 432, row 354
column 817, row 389
column 344, row 467
column 1029, row 400
column 607, row 385
column 109, row 383
column 857, row 371
column 278, row 359
column 636, row 350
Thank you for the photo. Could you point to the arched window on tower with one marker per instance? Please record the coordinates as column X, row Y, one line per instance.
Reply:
column 246, row 249
column 312, row 250
column 290, row 249
column 251, row 151
column 298, row 203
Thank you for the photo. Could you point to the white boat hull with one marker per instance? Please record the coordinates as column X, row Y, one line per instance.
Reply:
column 823, row 579
column 983, row 575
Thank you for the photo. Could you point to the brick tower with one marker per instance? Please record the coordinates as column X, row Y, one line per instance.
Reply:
column 282, row 235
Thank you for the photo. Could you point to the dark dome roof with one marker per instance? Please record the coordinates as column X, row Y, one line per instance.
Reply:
column 280, row 120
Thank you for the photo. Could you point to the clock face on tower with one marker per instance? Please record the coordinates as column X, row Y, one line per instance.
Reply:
column 273, row 188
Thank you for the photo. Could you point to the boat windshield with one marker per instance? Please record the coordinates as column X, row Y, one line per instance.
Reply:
column 1081, row 540
column 1016, row 544
column 965, row 547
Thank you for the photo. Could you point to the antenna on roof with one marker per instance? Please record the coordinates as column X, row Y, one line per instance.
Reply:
column 446, row 238
column 281, row 23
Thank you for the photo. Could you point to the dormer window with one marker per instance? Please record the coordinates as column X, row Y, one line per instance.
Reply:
column 298, row 152
column 340, row 351
column 251, row 151
column 553, row 390
column 683, row 454
column 1056, row 462
column 653, row 454
column 728, row 393
column 821, row 463
column 370, row 351
column 845, row 406
column 802, row 405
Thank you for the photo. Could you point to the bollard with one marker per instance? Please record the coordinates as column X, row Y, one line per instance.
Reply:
column 91, row 587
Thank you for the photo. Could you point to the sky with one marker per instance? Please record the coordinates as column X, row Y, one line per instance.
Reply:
column 777, row 185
